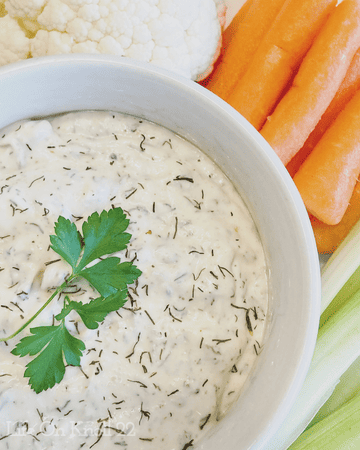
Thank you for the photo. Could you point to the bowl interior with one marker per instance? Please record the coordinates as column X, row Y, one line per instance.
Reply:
column 52, row 85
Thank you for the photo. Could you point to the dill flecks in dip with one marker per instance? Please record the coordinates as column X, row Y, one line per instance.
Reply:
column 161, row 371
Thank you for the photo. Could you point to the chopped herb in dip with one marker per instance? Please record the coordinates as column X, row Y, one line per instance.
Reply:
column 161, row 371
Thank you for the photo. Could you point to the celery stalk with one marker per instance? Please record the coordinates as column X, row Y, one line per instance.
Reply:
column 348, row 387
column 334, row 370
column 337, row 347
column 349, row 289
column 339, row 430
column 340, row 266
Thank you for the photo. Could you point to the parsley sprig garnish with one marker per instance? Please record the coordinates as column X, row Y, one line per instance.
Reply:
column 102, row 235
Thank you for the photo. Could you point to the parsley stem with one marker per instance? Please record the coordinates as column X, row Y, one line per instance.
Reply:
column 57, row 291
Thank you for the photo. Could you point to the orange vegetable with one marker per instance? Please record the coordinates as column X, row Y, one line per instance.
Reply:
column 262, row 82
column 329, row 237
column 348, row 87
column 328, row 176
column 240, row 44
column 289, row 37
column 230, row 31
column 316, row 83
column 227, row 36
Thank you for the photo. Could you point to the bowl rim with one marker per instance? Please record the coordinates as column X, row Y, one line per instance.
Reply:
column 310, row 334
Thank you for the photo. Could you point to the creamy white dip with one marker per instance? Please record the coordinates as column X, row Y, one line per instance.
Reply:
column 166, row 368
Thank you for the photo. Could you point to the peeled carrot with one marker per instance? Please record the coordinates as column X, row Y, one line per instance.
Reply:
column 329, row 237
column 347, row 89
column 328, row 176
column 315, row 85
column 239, row 49
column 292, row 32
column 263, row 81
column 227, row 36
column 230, row 30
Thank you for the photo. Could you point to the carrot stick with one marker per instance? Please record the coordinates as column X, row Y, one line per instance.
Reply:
column 292, row 32
column 262, row 82
column 327, row 178
column 240, row 48
column 315, row 85
column 329, row 237
column 230, row 30
column 227, row 36
column 348, row 88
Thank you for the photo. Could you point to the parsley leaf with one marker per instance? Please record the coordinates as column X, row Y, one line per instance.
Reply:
column 104, row 234
column 66, row 241
column 55, row 343
column 94, row 312
column 109, row 275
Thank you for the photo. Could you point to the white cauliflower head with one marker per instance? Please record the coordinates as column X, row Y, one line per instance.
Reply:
column 179, row 35
column 14, row 45
column 27, row 9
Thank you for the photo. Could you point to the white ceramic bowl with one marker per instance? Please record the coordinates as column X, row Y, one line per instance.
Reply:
column 51, row 85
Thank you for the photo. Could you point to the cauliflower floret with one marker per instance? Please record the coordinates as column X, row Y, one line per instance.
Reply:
column 124, row 41
column 221, row 11
column 89, row 13
column 14, row 45
column 141, row 52
column 75, row 5
column 180, row 35
column 146, row 11
column 118, row 23
column 85, row 47
column 24, row 8
column 56, row 15
column 185, row 12
column 196, row 41
column 141, row 34
column 167, row 31
column 109, row 45
column 95, row 35
column 201, row 33
column 78, row 29
column 51, row 43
